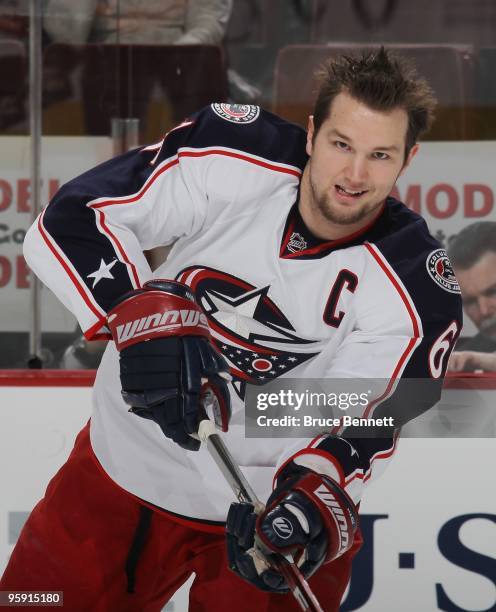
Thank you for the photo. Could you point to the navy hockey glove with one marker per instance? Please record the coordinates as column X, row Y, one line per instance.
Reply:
column 168, row 362
column 308, row 515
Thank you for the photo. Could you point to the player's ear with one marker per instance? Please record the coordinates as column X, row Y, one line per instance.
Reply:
column 310, row 132
column 411, row 155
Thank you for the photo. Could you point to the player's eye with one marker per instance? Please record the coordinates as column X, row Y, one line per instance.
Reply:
column 342, row 146
column 380, row 155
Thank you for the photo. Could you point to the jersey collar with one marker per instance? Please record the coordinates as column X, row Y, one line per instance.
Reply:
column 298, row 242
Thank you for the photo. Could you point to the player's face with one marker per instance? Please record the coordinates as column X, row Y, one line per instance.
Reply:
column 355, row 160
column 478, row 287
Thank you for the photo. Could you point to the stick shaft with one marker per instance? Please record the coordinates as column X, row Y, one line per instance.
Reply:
column 230, row 469
column 233, row 475
column 244, row 492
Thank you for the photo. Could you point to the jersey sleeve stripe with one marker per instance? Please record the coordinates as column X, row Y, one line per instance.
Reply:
column 385, row 454
column 414, row 318
column 395, row 281
column 133, row 272
column 315, row 442
column 259, row 161
column 391, row 386
column 158, row 146
column 102, row 202
column 70, row 271
column 408, row 352
column 91, row 332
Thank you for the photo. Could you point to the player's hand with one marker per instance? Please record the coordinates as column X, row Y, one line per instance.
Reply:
column 469, row 361
column 168, row 360
column 308, row 515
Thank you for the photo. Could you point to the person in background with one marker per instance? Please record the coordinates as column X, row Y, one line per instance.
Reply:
column 179, row 22
column 473, row 255
column 14, row 22
column 14, row 17
column 127, row 22
column 187, row 22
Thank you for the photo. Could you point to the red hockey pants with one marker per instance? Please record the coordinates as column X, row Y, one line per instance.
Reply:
column 83, row 539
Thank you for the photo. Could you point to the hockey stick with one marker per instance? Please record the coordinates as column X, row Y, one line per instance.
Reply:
column 242, row 490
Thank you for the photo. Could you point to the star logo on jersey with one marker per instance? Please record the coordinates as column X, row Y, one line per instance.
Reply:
column 252, row 333
column 102, row 272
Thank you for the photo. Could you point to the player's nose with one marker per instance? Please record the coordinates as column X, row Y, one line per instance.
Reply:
column 356, row 172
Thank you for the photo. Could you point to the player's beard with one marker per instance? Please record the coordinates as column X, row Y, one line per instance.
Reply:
column 341, row 214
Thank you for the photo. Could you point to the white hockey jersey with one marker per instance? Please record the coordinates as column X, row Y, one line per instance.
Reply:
column 223, row 189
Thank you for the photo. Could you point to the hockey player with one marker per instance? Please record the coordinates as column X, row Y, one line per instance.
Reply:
column 289, row 259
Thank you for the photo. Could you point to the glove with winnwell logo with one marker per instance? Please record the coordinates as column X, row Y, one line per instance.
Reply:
column 308, row 515
column 168, row 362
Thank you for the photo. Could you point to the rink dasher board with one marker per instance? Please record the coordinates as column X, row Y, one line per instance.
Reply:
column 431, row 486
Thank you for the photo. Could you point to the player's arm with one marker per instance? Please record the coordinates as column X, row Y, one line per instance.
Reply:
column 406, row 326
column 87, row 247
column 398, row 339
column 168, row 362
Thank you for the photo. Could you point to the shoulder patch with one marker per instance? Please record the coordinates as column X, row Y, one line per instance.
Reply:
column 440, row 270
column 236, row 113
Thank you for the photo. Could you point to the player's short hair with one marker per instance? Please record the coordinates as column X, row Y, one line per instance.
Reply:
column 468, row 246
column 381, row 80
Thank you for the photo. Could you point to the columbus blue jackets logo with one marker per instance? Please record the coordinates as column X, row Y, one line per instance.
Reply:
column 236, row 113
column 440, row 270
column 249, row 329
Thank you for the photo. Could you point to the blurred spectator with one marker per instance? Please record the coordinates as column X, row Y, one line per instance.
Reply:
column 187, row 22
column 256, row 32
column 14, row 19
column 473, row 256
column 470, row 361
column 126, row 22
column 14, row 22
column 137, row 21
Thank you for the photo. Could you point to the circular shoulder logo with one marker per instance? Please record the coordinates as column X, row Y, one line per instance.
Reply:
column 440, row 270
column 236, row 113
